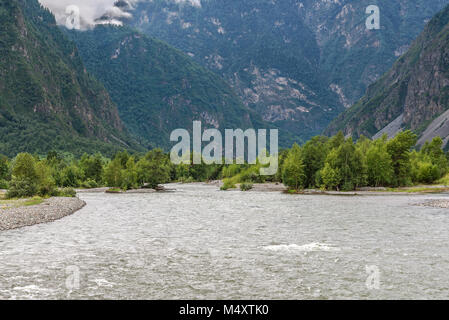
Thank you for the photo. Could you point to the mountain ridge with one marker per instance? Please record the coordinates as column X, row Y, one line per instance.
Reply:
column 47, row 99
column 414, row 94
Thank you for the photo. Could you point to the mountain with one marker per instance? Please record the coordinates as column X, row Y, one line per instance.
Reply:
column 261, row 48
column 298, row 63
column 47, row 99
column 352, row 56
column 414, row 94
column 157, row 87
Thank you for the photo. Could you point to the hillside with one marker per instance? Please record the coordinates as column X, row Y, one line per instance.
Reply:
column 47, row 99
column 261, row 48
column 158, row 88
column 353, row 57
column 414, row 94
column 297, row 63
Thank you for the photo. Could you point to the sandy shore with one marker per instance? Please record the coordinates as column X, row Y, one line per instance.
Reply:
column 50, row 210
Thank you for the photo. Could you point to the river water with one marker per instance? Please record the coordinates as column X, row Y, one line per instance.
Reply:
column 201, row 243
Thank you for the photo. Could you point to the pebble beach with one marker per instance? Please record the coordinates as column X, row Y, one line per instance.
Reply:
column 50, row 210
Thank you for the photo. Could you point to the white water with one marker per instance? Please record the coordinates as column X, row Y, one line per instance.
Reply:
column 201, row 243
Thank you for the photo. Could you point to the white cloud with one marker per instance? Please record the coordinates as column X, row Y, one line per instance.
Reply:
column 89, row 10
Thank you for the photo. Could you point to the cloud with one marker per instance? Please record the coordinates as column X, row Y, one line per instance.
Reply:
column 89, row 11
column 93, row 12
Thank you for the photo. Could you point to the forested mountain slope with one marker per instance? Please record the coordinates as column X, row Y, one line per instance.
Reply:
column 159, row 88
column 47, row 99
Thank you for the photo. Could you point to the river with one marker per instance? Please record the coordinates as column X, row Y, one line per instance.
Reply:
column 202, row 243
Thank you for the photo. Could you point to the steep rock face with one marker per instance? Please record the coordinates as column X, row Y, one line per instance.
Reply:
column 415, row 90
column 157, row 87
column 47, row 99
column 353, row 57
column 298, row 63
column 262, row 48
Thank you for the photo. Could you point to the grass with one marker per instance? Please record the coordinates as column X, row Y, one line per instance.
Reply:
column 17, row 203
column 422, row 189
column 114, row 190
column 444, row 180
column 33, row 201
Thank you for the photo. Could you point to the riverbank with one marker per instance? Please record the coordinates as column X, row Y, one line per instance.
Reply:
column 18, row 214
column 279, row 187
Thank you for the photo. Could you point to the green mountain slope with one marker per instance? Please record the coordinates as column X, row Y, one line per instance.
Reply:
column 298, row 63
column 261, row 47
column 158, row 88
column 414, row 94
column 47, row 99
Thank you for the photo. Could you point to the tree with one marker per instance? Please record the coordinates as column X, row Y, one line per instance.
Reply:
column 25, row 167
column 4, row 167
column 130, row 175
column 399, row 150
column 436, row 154
column 25, row 177
column 92, row 167
column 71, row 176
column 293, row 174
column 330, row 177
column 113, row 174
column 347, row 161
column 379, row 164
column 314, row 154
column 153, row 169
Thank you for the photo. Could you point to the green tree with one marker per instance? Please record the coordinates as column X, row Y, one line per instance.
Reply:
column 314, row 154
column 348, row 162
column 153, row 169
column 379, row 164
column 399, row 150
column 330, row 177
column 113, row 174
column 92, row 167
column 434, row 150
column 130, row 177
column 293, row 174
column 25, row 177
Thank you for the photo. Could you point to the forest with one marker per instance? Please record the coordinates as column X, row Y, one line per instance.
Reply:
column 334, row 163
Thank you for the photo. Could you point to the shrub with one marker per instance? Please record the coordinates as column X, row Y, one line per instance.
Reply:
column 4, row 184
column 67, row 192
column 89, row 184
column 228, row 184
column 246, row 186
column 21, row 188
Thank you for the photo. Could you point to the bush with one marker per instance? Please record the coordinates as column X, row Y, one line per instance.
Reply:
column 67, row 192
column 246, row 186
column 4, row 184
column 89, row 184
column 228, row 184
column 22, row 188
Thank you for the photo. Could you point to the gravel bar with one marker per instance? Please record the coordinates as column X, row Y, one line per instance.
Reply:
column 50, row 210
column 444, row 204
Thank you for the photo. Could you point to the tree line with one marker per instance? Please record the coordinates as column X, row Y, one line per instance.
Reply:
column 334, row 163
column 340, row 164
